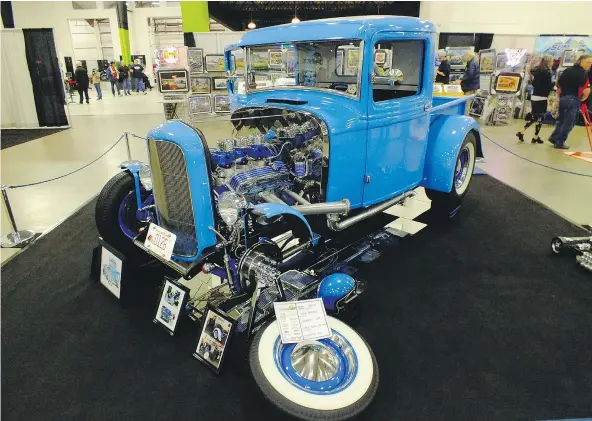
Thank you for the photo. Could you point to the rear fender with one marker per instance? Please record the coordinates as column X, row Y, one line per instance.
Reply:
column 445, row 138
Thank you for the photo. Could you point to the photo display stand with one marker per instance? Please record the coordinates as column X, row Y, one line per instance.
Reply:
column 214, row 339
column 109, row 268
column 171, row 303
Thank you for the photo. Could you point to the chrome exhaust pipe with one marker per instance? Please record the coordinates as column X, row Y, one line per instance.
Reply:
column 269, row 197
column 339, row 225
column 341, row 208
column 301, row 200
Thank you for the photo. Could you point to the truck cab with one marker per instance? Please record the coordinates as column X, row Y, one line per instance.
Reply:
column 370, row 80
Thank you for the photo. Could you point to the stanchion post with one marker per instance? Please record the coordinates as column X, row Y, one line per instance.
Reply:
column 15, row 238
column 127, row 145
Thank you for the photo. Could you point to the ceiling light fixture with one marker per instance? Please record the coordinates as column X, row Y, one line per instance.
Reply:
column 251, row 24
column 295, row 18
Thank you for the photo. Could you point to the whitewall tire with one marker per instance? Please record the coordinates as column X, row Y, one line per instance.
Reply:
column 345, row 386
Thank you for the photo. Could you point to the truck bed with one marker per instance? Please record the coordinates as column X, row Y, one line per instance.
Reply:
column 448, row 105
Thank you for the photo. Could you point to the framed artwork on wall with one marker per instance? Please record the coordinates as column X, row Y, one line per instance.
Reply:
column 486, row 61
column 290, row 61
column 219, row 83
column 200, row 85
column 215, row 63
column 570, row 57
column 200, row 104
column 275, row 59
column 259, row 60
column 221, row 104
column 195, row 60
column 173, row 80
column 353, row 56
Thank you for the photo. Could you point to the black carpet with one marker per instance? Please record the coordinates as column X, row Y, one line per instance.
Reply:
column 473, row 321
column 14, row 137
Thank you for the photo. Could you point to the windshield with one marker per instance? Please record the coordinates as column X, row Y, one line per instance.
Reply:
column 324, row 65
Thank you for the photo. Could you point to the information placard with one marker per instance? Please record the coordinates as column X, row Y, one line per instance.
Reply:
column 214, row 338
column 171, row 304
column 111, row 268
column 302, row 320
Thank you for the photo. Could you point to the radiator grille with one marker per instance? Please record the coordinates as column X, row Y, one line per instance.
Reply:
column 172, row 195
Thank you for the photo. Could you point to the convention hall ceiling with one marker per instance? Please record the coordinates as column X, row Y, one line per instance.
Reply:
column 237, row 14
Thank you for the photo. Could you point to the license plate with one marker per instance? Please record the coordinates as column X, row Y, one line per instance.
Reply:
column 160, row 241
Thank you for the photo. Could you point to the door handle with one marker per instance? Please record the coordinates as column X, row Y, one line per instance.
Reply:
column 427, row 107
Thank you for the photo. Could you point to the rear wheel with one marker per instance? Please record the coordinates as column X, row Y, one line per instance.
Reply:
column 328, row 379
column 116, row 213
column 446, row 205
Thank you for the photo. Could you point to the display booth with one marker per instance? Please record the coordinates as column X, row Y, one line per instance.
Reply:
column 33, row 92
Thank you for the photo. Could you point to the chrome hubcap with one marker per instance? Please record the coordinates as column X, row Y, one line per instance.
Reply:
column 314, row 361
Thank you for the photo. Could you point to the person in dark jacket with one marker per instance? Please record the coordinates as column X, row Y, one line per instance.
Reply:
column 572, row 91
column 542, row 84
column 81, row 78
column 469, row 83
column 124, row 78
column 113, row 77
column 443, row 72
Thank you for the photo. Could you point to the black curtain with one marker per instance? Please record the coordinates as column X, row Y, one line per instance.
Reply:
column 48, row 87
column 483, row 41
column 7, row 16
column 189, row 39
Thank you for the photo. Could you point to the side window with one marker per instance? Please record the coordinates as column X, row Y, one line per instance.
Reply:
column 397, row 69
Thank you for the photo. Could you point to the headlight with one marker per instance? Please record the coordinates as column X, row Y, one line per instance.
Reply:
column 145, row 175
column 229, row 204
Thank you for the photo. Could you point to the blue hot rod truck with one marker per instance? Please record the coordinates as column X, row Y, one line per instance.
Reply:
column 334, row 122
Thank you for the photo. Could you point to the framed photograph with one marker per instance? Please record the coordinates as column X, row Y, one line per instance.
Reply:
column 275, row 59
column 339, row 55
column 353, row 57
column 172, row 301
column 173, row 80
column 570, row 57
column 477, row 106
column 200, row 104
column 259, row 60
column 111, row 270
column 380, row 56
column 508, row 83
column 200, row 85
column 487, row 61
column 501, row 61
column 291, row 61
column 214, row 339
column 221, row 104
column 219, row 83
column 215, row 63
column 195, row 60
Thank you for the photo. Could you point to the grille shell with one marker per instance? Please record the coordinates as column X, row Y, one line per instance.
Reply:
column 172, row 194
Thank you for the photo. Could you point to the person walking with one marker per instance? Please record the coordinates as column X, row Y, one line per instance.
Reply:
column 469, row 83
column 443, row 72
column 124, row 78
column 542, row 84
column 113, row 77
column 572, row 91
column 136, row 70
column 96, row 78
column 141, row 85
column 81, row 77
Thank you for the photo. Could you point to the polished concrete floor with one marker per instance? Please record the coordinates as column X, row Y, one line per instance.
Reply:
column 98, row 125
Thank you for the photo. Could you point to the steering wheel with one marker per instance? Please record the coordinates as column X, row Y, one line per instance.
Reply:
column 339, row 86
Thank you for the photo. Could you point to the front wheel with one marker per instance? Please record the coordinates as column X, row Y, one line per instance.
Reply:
column 334, row 378
column 444, row 204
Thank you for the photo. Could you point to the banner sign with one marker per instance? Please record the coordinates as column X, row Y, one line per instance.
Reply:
column 556, row 45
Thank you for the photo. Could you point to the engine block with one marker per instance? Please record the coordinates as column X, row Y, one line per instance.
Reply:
column 256, row 180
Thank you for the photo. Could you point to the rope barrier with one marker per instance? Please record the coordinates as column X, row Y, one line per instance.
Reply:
column 18, row 186
column 534, row 162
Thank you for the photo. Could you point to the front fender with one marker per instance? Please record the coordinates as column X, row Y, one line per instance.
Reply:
column 445, row 138
column 269, row 210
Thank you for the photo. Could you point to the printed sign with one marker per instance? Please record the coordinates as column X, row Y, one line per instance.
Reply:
column 160, row 241
column 214, row 338
column 170, row 305
column 111, row 267
column 302, row 320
